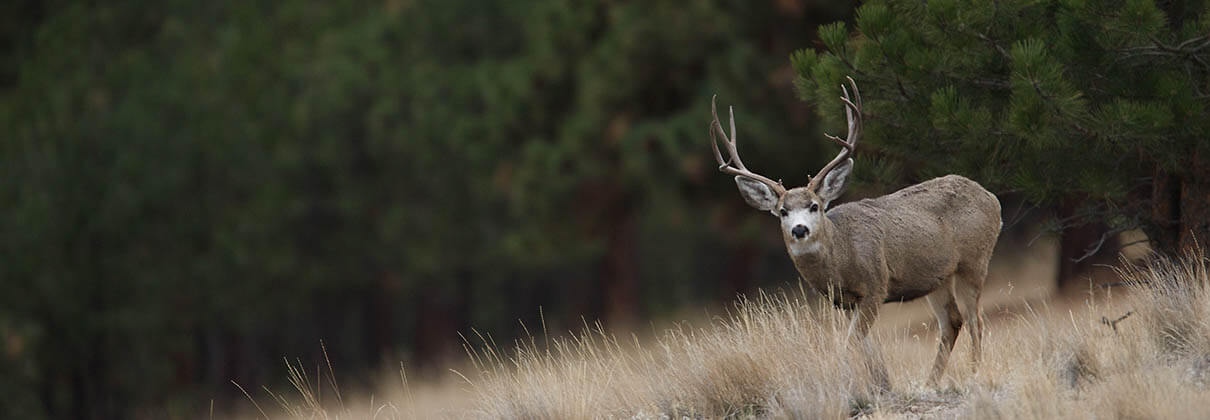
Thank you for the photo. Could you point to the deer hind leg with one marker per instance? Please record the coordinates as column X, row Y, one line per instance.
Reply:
column 949, row 322
column 968, row 288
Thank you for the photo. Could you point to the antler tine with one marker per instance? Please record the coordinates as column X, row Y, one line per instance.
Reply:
column 717, row 126
column 856, row 93
column 733, row 165
column 852, row 112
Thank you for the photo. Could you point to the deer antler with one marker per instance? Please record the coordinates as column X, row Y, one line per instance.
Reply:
column 852, row 112
column 733, row 165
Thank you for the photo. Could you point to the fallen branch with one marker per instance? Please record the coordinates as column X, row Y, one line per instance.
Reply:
column 1114, row 323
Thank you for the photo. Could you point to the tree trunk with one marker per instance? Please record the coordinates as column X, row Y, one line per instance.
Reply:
column 1195, row 205
column 738, row 278
column 620, row 275
column 438, row 323
column 1164, row 229
column 1180, row 208
column 377, row 319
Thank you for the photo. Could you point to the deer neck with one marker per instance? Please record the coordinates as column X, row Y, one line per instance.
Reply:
column 827, row 258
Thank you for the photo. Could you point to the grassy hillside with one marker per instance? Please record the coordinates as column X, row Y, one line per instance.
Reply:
column 780, row 356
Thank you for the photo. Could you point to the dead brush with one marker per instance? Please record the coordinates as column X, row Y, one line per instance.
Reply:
column 1172, row 299
column 771, row 356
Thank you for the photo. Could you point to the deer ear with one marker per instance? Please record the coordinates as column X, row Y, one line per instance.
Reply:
column 834, row 181
column 756, row 193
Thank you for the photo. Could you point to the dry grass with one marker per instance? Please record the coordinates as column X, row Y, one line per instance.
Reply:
column 780, row 356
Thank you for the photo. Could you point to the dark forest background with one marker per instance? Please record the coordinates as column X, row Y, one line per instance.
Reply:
column 193, row 190
column 190, row 191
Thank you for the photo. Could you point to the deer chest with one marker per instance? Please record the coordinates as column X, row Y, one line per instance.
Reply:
column 845, row 299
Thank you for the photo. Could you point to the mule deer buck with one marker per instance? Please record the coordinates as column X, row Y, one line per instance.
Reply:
column 932, row 239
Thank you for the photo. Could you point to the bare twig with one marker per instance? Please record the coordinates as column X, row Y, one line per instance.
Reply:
column 1019, row 215
column 1095, row 248
column 1114, row 323
column 1124, row 283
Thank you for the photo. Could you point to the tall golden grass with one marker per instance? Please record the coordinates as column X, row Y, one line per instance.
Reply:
column 1141, row 350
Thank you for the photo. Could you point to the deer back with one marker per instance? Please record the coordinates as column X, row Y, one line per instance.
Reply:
column 915, row 237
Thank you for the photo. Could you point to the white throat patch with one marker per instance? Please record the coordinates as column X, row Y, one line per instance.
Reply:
column 802, row 247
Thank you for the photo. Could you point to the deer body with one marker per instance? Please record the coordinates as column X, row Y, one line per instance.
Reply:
column 933, row 239
column 912, row 241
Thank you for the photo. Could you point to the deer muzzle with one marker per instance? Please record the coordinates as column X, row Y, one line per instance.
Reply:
column 800, row 231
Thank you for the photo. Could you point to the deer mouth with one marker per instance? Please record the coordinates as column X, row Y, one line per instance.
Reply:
column 802, row 246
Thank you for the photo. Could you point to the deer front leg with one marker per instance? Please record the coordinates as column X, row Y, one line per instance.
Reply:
column 863, row 317
column 859, row 329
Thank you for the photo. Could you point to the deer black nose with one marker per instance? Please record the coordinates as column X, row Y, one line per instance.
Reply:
column 800, row 231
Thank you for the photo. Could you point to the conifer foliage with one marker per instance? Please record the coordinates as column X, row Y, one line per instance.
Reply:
column 1100, row 105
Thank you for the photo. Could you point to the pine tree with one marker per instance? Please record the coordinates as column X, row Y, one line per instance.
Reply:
column 1096, row 106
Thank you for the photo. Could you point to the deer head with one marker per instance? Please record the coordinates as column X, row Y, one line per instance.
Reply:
column 801, row 210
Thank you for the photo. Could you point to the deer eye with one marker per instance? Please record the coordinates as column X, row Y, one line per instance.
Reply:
column 784, row 213
column 814, row 207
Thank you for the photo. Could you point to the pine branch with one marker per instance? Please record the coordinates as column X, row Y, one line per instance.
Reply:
column 999, row 49
column 1187, row 49
column 901, row 62
column 1059, row 110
